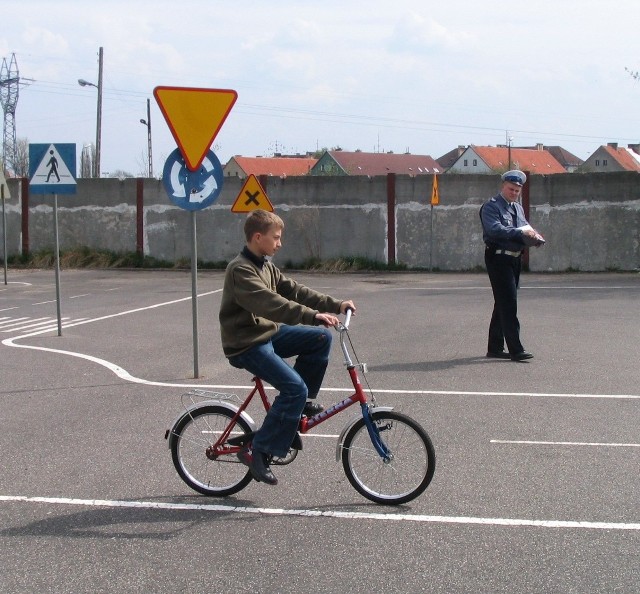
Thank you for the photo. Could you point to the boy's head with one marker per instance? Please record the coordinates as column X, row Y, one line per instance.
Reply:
column 261, row 221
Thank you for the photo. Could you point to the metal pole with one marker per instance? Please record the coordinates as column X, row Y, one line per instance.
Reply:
column 194, row 292
column 57, row 242
column 431, row 243
column 149, row 137
column 99, row 116
column 4, row 235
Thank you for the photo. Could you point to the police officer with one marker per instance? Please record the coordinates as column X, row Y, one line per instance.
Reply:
column 506, row 233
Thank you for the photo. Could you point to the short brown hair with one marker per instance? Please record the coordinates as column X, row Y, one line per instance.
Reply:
column 260, row 221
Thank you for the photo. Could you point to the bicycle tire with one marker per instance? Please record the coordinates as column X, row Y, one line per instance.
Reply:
column 189, row 439
column 399, row 480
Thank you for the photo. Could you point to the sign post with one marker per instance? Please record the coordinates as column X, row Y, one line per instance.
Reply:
column 52, row 170
column 193, row 174
column 3, row 185
column 435, row 199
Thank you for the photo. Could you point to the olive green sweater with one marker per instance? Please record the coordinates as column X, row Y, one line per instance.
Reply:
column 257, row 299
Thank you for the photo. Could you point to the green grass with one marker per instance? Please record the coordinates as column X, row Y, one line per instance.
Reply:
column 83, row 257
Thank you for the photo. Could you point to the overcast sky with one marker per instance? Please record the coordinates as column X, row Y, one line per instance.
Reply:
column 378, row 75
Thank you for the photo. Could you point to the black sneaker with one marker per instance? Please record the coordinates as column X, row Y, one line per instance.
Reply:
column 258, row 465
column 312, row 408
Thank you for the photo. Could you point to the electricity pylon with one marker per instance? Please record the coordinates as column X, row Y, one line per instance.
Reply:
column 9, row 90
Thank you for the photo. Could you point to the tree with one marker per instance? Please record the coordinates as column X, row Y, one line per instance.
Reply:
column 20, row 165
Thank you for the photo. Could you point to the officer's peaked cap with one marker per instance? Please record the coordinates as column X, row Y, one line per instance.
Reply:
column 515, row 176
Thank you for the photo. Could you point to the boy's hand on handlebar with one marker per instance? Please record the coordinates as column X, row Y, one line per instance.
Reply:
column 345, row 305
column 326, row 319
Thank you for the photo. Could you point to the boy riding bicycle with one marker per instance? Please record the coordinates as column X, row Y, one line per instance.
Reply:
column 265, row 318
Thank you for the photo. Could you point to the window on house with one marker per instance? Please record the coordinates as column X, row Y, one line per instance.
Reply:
column 466, row 163
column 475, row 162
column 604, row 162
column 597, row 162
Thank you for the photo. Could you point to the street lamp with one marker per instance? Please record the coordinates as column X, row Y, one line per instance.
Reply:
column 85, row 83
column 147, row 123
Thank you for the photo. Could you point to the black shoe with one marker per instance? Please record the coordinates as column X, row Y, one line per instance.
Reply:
column 312, row 408
column 498, row 355
column 521, row 356
column 258, row 466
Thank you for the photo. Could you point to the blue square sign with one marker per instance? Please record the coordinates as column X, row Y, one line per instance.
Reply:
column 52, row 168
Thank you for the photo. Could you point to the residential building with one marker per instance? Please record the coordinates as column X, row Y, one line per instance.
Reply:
column 279, row 166
column 498, row 159
column 611, row 157
column 360, row 163
column 448, row 159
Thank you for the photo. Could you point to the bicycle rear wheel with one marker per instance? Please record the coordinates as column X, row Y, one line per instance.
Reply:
column 189, row 439
column 405, row 475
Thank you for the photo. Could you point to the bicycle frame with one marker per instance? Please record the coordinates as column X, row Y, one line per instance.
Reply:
column 308, row 423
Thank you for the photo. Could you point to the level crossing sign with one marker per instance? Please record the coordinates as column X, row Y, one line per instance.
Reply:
column 252, row 196
column 52, row 168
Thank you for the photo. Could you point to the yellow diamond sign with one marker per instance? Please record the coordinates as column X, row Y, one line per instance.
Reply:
column 194, row 117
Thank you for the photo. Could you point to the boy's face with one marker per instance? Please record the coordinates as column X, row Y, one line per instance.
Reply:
column 270, row 242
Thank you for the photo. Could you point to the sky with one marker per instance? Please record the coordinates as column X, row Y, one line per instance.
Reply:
column 376, row 76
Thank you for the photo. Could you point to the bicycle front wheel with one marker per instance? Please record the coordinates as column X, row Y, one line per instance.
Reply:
column 189, row 439
column 407, row 472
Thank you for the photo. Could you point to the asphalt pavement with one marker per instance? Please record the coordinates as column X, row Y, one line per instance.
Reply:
column 537, row 484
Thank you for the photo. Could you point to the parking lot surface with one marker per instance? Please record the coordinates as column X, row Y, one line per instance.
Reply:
column 537, row 484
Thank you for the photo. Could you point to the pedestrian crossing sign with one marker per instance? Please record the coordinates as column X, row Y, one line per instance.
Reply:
column 52, row 168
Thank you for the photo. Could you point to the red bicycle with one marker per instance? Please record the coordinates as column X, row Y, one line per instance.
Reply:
column 386, row 455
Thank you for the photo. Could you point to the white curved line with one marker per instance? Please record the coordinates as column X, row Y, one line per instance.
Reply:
column 116, row 369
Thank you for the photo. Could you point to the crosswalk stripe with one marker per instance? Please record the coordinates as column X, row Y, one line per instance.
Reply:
column 25, row 323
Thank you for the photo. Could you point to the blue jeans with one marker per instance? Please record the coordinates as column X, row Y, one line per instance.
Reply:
column 311, row 345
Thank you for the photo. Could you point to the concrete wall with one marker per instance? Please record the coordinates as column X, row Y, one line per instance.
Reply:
column 591, row 221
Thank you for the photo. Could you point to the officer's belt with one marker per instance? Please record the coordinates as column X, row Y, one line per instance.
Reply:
column 508, row 253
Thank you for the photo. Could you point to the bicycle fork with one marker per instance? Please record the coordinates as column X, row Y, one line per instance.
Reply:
column 374, row 433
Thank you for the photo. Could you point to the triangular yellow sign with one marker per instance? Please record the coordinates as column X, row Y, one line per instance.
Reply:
column 251, row 197
column 194, row 117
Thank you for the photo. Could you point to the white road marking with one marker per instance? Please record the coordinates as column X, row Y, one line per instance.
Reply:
column 313, row 513
column 126, row 376
column 566, row 443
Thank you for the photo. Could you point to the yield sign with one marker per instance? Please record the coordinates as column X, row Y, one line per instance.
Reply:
column 251, row 197
column 195, row 117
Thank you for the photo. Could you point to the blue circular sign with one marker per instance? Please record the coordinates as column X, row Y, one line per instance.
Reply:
column 192, row 190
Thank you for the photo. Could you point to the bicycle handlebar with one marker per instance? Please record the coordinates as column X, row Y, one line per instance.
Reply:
column 347, row 317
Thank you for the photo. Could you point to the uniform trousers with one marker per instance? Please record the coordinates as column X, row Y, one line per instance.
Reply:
column 504, row 275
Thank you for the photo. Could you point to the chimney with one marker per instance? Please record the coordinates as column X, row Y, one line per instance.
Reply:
column 613, row 145
column 539, row 146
